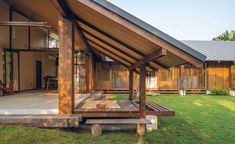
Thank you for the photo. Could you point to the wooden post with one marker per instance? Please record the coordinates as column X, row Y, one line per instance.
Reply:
column 4, row 75
column 66, row 66
column 142, row 90
column 142, row 100
column 131, row 84
column 206, row 76
column 158, row 80
column 29, row 37
column 11, row 53
column 89, row 72
column 18, row 56
column 231, row 73
column 181, row 77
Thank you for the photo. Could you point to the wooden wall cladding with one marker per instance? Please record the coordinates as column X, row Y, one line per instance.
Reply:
column 218, row 75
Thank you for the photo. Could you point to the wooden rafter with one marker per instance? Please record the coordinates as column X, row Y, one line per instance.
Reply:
column 79, row 31
column 155, row 55
column 110, row 45
column 102, row 53
column 88, row 34
column 91, row 41
column 107, row 53
column 115, row 40
column 64, row 11
column 140, row 31
column 62, row 7
column 97, row 51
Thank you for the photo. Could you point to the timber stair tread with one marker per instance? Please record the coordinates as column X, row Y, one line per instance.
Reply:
column 117, row 121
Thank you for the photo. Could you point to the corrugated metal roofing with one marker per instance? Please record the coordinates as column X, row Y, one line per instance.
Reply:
column 214, row 50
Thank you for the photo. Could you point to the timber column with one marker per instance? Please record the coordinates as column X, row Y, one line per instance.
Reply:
column 131, row 97
column 142, row 100
column 66, row 66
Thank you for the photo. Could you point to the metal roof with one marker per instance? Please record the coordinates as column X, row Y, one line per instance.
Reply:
column 111, row 7
column 214, row 50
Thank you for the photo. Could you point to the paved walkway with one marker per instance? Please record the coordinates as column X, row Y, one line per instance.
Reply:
column 35, row 102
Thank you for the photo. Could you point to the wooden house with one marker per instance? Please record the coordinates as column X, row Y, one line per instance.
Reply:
column 218, row 72
column 87, row 31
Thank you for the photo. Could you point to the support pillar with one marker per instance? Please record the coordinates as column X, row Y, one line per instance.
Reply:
column 232, row 78
column 142, row 100
column 11, row 53
column 89, row 73
column 131, row 97
column 182, row 90
column 66, row 66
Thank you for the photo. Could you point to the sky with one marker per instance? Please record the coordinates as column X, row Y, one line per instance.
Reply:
column 184, row 19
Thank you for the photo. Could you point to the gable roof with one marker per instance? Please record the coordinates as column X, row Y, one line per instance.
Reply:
column 214, row 50
column 111, row 31
column 150, row 29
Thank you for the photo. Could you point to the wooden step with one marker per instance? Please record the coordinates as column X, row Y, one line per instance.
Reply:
column 47, row 121
column 117, row 121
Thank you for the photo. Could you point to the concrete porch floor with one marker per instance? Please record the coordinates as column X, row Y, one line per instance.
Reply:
column 32, row 102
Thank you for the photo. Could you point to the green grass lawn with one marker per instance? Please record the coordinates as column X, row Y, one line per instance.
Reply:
column 199, row 119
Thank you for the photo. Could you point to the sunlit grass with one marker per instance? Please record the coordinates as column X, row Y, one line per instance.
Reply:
column 199, row 119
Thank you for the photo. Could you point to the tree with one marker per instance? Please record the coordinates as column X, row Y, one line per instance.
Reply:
column 226, row 36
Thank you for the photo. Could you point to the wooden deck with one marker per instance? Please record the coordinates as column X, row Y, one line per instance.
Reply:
column 125, row 108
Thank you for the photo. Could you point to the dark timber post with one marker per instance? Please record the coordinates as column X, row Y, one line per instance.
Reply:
column 66, row 66
column 142, row 99
column 11, row 53
column 131, row 84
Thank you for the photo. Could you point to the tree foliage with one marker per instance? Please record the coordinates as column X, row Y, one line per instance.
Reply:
column 226, row 36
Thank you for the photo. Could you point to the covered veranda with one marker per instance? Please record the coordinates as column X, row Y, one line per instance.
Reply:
column 97, row 27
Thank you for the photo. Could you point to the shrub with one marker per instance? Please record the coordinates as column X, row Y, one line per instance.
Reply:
column 220, row 91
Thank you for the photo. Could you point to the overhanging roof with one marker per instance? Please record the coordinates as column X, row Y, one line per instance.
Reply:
column 112, row 31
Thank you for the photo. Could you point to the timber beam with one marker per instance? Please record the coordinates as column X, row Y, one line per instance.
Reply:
column 33, row 50
column 155, row 55
column 102, row 53
column 114, row 39
column 112, row 46
column 24, row 24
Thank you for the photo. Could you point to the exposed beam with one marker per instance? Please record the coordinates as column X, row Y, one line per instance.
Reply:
column 115, row 48
column 118, row 61
column 110, row 45
column 115, row 40
column 155, row 55
column 102, row 53
column 140, row 31
column 69, row 13
column 62, row 8
column 24, row 24
column 106, row 53
column 64, row 11
column 83, row 37
column 33, row 50
column 108, row 35
column 124, row 59
column 57, row 5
